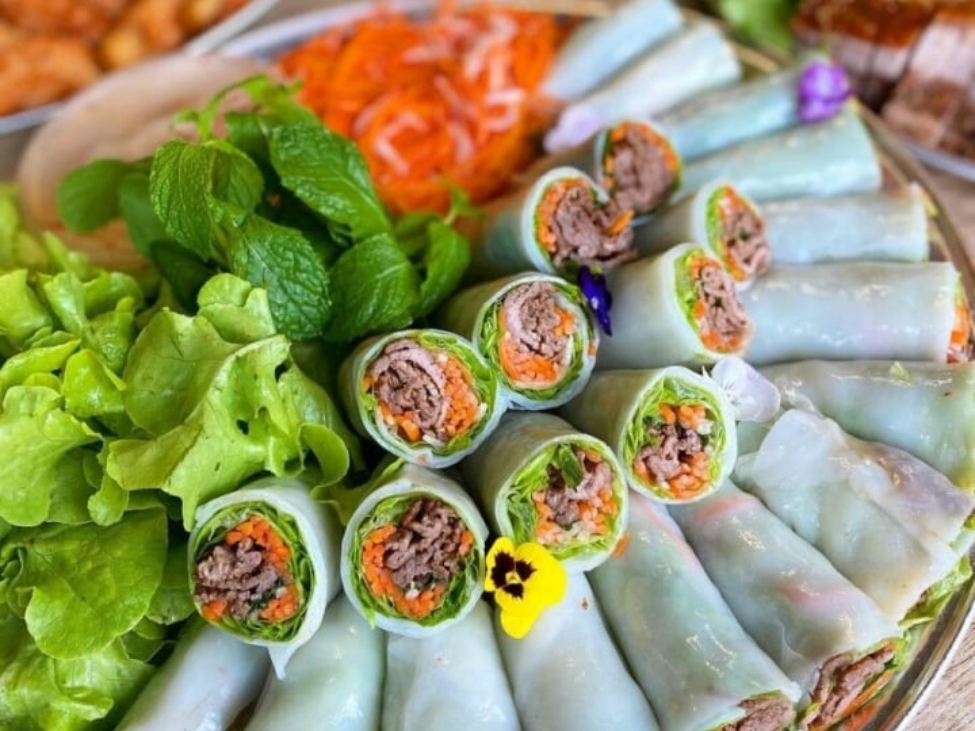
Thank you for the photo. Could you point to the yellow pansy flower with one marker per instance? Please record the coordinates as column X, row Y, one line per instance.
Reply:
column 524, row 580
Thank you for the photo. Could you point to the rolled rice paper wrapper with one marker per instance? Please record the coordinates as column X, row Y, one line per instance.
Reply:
column 725, row 117
column 311, row 532
column 614, row 41
column 718, row 216
column 787, row 595
column 209, row 679
column 687, row 651
column 510, row 241
column 384, row 506
column 552, row 670
column 632, row 160
column 926, row 409
column 514, row 465
column 851, row 310
column 876, row 226
column 697, row 59
column 334, row 681
column 479, row 314
column 655, row 317
column 367, row 415
column 829, row 158
column 620, row 406
column 866, row 518
column 453, row 681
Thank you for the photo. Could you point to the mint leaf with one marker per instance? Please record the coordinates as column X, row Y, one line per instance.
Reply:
column 568, row 464
column 88, row 196
column 144, row 227
column 282, row 261
column 444, row 262
column 328, row 173
column 374, row 289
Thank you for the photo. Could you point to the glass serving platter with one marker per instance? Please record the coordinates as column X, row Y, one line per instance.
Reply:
column 936, row 644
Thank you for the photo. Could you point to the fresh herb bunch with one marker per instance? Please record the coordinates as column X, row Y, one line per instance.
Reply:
column 284, row 203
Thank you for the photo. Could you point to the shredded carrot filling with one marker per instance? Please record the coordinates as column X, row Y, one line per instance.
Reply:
column 595, row 513
column 961, row 334
column 276, row 552
column 711, row 339
column 525, row 366
column 618, row 134
column 417, row 604
column 432, row 101
column 695, row 470
column 729, row 203
column 860, row 711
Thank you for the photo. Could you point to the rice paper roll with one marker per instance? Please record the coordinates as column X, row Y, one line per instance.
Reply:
column 413, row 553
column 876, row 226
column 534, row 330
column 554, row 225
column 334, row 681
column 926, row 409
column 264, row 565
column 695, row 60
column 851, row 310
column 552, row 671
column 718, row 216
column 615, row 40
column 828, row 158
column 695, row 663
column 540, row 480
column 724, row 117
column 867, row 519
column 679, row 307
column 672, row 429
column 823, row 632
column 427, row 396
column 205, row 684
column 455, row 680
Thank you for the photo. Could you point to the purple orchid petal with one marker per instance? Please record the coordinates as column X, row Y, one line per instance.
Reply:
column 576, row 125
column 598, row 297
column 823, row 91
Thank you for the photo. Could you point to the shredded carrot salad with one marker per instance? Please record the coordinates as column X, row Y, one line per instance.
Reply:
column 432, row 102
column 522, row 365
column 275, row 551
column 712, row 339
column 416, row 604
column 695, row 471
column 595, row 514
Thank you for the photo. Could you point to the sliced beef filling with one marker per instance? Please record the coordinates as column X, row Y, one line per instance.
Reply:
column 725, row 320
column 743, row 235
column 764, row 714
column 426, row 546
column 639, row 171
column 585, row 232
column 239, row 575
column 536, row 336
column 671, row 450
column 566, row 502
column 841, row 682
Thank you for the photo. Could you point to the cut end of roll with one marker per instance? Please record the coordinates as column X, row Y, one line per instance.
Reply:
column 536, row 335
column 737, row 230
column 640, row 168
column 774, row 713
column 721, row 320
column 846, row 685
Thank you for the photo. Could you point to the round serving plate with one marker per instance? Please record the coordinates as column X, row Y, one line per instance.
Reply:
column 937, row 643
column 16, row 129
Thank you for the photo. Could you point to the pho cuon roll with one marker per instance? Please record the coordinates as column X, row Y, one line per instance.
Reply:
column 413, row 553
column 673, row 430
column 534, row 330
column 679, row 307
column 560, row 222
column 264, row 564
column 424, row 395
column 719, row 216
column 540, row 480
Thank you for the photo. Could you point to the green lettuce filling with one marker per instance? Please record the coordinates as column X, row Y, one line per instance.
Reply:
column 685, row 286
column 534, row 477
column 673, row 392
column 937, row 597
column 299, row 566
column 484, row 381
column 712, row 224
column 490, row 332
column 389, row 512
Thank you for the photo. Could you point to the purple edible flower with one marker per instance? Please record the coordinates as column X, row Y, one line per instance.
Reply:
column 823, row 91
column 598, row 297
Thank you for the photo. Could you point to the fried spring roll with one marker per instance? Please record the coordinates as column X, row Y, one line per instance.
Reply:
column 825, row 634
column 679, row 307
column 540, row 480
column 673, row 430
column 534, row 330
column 720, row 217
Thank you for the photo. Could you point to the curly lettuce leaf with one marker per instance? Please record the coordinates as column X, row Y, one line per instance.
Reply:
column 82, row 587
column 938, row 596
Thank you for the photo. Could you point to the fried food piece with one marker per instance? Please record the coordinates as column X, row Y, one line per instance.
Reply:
column 148, row 27
column 37, row 70
column 198, row 15
column 86, row 20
